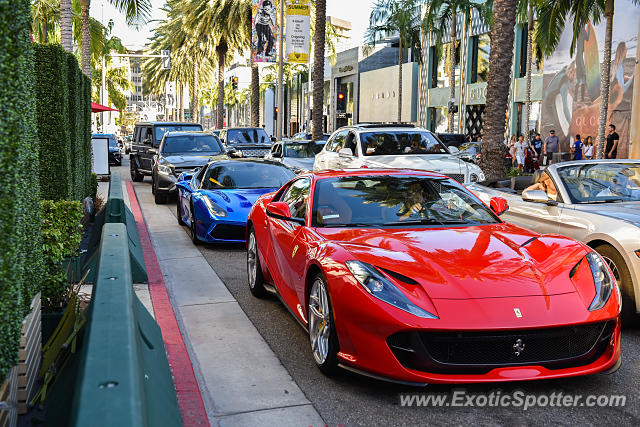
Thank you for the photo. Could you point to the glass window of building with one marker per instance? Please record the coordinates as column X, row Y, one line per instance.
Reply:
column 443, row 53
column 480, row 58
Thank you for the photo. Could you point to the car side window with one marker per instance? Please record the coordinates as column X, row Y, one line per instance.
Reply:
column 296, row 197
column 148, row 136
column 136, row 135
column 337, row 141
column 200, row 176
column 350, row 142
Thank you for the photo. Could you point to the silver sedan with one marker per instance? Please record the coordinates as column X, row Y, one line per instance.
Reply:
column 594, row 201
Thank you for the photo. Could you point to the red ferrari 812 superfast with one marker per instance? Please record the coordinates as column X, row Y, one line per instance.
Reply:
column 406, row 276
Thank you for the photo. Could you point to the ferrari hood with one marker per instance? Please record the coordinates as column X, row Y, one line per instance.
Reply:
column 488, row 261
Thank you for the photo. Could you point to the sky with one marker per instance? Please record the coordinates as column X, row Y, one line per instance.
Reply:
column 355, row 11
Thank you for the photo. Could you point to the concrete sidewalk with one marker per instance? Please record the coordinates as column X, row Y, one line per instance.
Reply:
column 241, row 381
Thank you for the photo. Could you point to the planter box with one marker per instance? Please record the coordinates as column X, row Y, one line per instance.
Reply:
column 9, row 399
column 29, row 355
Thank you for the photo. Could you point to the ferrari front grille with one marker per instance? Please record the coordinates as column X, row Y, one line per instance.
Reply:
column 479, row 352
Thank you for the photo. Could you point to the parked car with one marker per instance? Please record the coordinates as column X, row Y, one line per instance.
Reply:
column 146, row 140
column 215, row 201
column 298, row 155
column 405, row 275
column 308, row 136
column 392, row 146
column 452, row 139
column 247, row 142
column 115, row 155
column 180, row 152
column 594, row 201
column 127, row 143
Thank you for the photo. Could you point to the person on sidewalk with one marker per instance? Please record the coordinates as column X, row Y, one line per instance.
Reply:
column 587, row 148
column 576, row 148
column 611, row 149
column 536, row 145
column 551, row 145
column 520, row 147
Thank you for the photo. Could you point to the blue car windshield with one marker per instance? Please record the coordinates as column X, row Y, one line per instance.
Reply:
column 248, row 136
column 191, row 144
column 229, row 175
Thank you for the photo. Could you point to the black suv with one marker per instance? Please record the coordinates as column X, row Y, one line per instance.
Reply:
column 249, row 142
column 180, row 152
column 146, row 140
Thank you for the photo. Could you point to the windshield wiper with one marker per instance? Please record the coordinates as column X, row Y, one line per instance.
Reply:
column 426, row 221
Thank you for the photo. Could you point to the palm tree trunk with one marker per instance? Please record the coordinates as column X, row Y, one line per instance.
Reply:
column 66, row 25
column 500, row 57
column 527, row 104
column 86, row 38
column 452, row 70
column 44, row 29
column 318, row 69
column 221, row 50
column 194, row 92
column 400, row 79
column 255, row 76
column 605, row 79
column 180, row 101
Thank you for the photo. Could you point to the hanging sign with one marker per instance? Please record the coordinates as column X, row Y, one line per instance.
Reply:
column 264, row 31
column 298, row 29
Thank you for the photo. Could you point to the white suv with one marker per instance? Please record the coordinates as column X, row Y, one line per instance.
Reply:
column 393, row 146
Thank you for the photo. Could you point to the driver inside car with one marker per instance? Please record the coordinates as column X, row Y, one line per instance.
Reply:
column 545, row 184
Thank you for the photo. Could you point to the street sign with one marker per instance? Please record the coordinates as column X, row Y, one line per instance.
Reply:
column 298, row 36
column 166, row 63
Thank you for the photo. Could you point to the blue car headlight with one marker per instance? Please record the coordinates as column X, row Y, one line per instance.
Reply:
column 214, row 208
column 601, row 279
column 380, row 287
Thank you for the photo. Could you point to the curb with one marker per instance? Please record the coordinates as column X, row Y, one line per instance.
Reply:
column 189, row 397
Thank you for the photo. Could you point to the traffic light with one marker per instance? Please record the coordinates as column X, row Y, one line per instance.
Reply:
column 275, row 112
column 234, row 83
column 341, row 99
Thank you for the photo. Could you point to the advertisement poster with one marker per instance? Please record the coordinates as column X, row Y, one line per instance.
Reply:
column 298, row 29
column 264, row 33
column 571, row 84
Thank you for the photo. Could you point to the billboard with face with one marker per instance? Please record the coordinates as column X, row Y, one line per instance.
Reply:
column 571, row 84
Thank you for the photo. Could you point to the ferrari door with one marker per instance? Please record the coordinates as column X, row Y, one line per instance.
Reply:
column 287, row 248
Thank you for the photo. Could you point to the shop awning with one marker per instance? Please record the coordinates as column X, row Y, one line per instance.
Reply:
column 98, row 108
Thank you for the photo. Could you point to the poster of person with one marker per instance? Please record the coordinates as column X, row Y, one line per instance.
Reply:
column 298, row 28
column 571, row 85
column 264, row 33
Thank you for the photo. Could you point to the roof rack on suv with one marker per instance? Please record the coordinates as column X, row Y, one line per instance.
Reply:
column 385, row 125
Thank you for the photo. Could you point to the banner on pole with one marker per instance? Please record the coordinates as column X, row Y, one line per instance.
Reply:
column 298, row 29
column 264, row 31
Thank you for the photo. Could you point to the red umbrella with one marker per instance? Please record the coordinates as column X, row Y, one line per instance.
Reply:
column 98, row 108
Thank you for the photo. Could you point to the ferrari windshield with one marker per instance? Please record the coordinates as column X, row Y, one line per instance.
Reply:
column 395, row 200
column 302, row 150
column 602, row 182
column 197, row 144
column 384, row 143
column 243, row 174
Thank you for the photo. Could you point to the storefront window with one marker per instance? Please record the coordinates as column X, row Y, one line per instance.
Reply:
column 444, row 64
column 480, row 58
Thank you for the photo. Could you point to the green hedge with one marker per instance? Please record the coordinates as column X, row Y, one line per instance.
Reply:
column 61, row 235
column 51, row 69
column 20, row 245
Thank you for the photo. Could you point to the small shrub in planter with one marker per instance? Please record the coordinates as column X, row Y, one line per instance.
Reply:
column 61, row 236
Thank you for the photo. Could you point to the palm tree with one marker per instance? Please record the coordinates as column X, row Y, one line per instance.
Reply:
column 66, row 25
column 318, row 68
column 401, row 17
column 440, row 14
column 498, row 85
column 553, row 16
column 45, row 18
column 527, row 7
column 136, row 11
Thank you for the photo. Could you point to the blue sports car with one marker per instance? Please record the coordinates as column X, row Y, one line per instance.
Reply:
column 214, row 202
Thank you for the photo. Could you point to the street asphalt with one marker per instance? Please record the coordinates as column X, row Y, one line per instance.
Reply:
column 352, row 400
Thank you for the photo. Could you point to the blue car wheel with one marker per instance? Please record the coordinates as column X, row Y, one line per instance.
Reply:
column 179, row 210
column 192, row 228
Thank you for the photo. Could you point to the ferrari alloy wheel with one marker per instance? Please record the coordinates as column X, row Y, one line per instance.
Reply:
column 623, row 278
column 254, row 270
column 192, row 228
column 179, row 211
column 322, row 334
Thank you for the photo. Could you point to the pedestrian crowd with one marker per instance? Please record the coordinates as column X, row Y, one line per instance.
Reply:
column 526, row 155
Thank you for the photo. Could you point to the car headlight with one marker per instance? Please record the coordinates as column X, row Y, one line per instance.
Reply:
column 214, row 208
column 380, row 287
column 165, row 170
column 601, row 279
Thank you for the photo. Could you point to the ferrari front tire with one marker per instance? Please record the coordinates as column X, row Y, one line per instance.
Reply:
column 254, row 270
column 322, row 330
